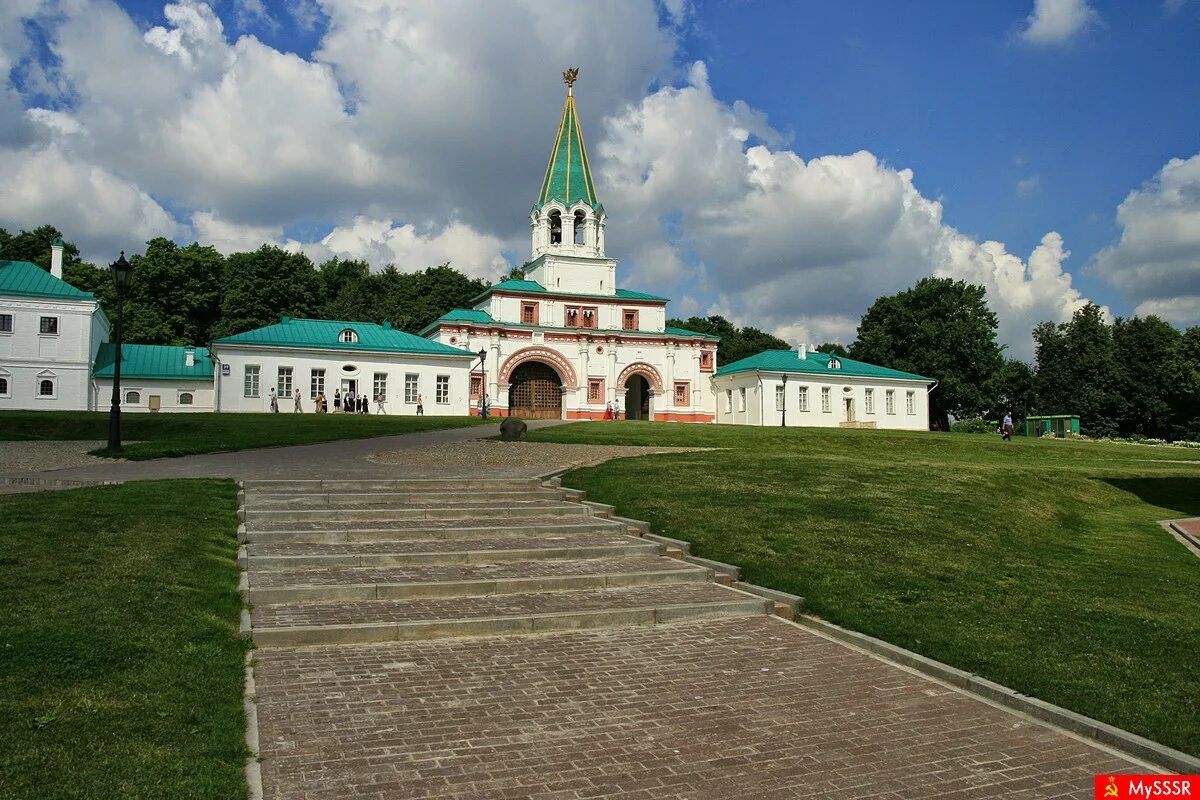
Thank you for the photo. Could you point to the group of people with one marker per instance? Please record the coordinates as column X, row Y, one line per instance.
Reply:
column 349, row 403
column 612, row 410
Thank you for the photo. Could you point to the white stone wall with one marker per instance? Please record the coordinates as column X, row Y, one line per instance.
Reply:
column 231, row 395
column 762, row 406
column 167, row 391
column 552, row 311
column 28, row 356
column 574, row 275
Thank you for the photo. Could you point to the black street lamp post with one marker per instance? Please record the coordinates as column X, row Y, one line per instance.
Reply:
column 120, row 271
column 482, row 382
column 783, row 423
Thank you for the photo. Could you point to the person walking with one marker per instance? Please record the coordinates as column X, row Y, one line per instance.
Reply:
column 298, row 409
column 1006, row 427
column 379, row 404
column 319, row 404
column 608, row 414
column 420, row 406
column 348, row 402
column 337, row 399
column 616, row 408
column 274, row 401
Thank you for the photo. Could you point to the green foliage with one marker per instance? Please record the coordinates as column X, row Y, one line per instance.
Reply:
column 123, row 663
column 977, row 425
column 174, row 294
column 1037, row 564
column 736, row 343
column 1078, row 371
column 835, row 348
column 942, row 328
column 1012, row 388
column 263, row 286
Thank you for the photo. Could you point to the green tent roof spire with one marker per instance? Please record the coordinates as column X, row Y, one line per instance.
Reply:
column 568, row 174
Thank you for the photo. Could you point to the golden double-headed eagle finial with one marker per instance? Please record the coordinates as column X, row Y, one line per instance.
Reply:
column 569, row 76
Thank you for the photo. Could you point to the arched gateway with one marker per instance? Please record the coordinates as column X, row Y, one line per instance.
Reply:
column 535, row 391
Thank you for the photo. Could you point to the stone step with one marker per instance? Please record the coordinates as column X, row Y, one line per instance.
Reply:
column 461, row 551
column 389, row 484
column 272, row 500
column 463, row 580
column 291, row 624
column 255, row 518
column 449, row 530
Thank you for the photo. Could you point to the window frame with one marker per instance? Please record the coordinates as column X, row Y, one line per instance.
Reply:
column 729, row 401
column 280, row 373
column 869, row 400
column 802, row 399
column 441, row 395
column 627, row 324
column 826, row 399
column 683, row 388
column 477, row 385
column 247, row 371
column 137, row 395
column 42, row 326
column 706, row 361
column 12, row 324
column 6, row 377
column 529, row 310
column 595, row 390
column 379, row 382
column 348, row 336
column 412, row 387
column 316, row 382
column 889, row 401
column 43, row 377
column 191, row 399
column 910, row 402
column 780, row 396
column 741, row 399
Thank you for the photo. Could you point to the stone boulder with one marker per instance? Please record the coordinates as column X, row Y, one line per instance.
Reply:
column 513, row 429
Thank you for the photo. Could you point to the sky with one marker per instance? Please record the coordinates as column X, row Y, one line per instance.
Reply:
column 782, row 163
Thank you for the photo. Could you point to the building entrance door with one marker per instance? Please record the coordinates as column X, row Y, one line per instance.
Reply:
column 849, row 405
column 637, row 398
column 535, row 392
column 155, row 402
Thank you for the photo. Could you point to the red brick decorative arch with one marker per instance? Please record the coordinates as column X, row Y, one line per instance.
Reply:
column 552, row 357
column 645, row 370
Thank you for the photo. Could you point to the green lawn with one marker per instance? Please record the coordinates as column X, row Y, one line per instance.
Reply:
column 170, row 435
column 122, row 663
column 1037, row 564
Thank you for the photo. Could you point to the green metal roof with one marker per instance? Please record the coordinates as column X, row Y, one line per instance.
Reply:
column 815, row 364
column 533, row 287
column 30, row 280
column 568, row 175
column 477, row 316
column 326, row 334
column 153, row 361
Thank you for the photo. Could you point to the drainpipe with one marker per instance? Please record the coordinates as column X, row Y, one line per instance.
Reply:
column 216, row 378
column 761, row 419
column 929, row 392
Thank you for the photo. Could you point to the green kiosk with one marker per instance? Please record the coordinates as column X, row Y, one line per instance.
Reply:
column 1061, row 425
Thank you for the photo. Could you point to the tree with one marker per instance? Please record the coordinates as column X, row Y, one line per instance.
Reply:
column 736, row 343
column 835, row 348
column 262, row 286
column 346, row 291
column 940, row 328
column 174, row 294
column 1012, row 388
column 1077, row 372
column 1153, row 373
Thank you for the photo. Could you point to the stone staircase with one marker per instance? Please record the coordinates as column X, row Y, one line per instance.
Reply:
column 342, row 562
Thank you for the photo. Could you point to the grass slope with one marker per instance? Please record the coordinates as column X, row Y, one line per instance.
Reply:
column 171, row 435
column 122, row 663
column 1038, row 564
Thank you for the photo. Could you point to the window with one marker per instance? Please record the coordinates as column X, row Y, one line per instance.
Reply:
column 728, row 400
column 835, row 364
column 595, row 390
column 5, row 384
column 681, row 393
column 529, row 313
column 133, row 398
column 910, row 402
column 580, row 317
column 869, row 400
column 49, row 326
column 779, row 396
column 316, row 383
column 476, row 386
column 186, row 399
column 443, row 390
column 283, row 384
column 46, row 387
column 706, row 361
column 629, row 319
column 6, row 323
column 826, row 399
column 802, row 404
column 410, row 388
column 379, row 385
column 742, row 399
column 889, row 401
column 250, row 381
column 349, row 336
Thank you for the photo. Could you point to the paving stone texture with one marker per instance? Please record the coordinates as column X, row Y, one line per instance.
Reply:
column 383, row 672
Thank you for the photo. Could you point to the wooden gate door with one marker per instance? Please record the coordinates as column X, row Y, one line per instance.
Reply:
column 535, row 392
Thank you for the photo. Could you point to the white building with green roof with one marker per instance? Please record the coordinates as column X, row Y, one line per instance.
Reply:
column 50, row 333
column 805, row 388
column 565, row 341
column 333, row 358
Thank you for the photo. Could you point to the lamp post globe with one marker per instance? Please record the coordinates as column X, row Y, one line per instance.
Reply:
column 120, row 270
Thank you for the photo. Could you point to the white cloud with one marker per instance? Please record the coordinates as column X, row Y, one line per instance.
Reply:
column 801, row 248
column 382, row 242
column 231, row 237
column 1027, row 186
column 1171, row 6
column 1055, row 22
column 1156, row 262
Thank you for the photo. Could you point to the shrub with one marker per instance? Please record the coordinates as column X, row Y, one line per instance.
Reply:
column 974, row 426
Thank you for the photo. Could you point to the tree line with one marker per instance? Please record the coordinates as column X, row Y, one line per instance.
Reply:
column 1137, row 376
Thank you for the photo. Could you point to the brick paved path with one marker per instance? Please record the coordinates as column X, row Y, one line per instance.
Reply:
column 635, row 675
